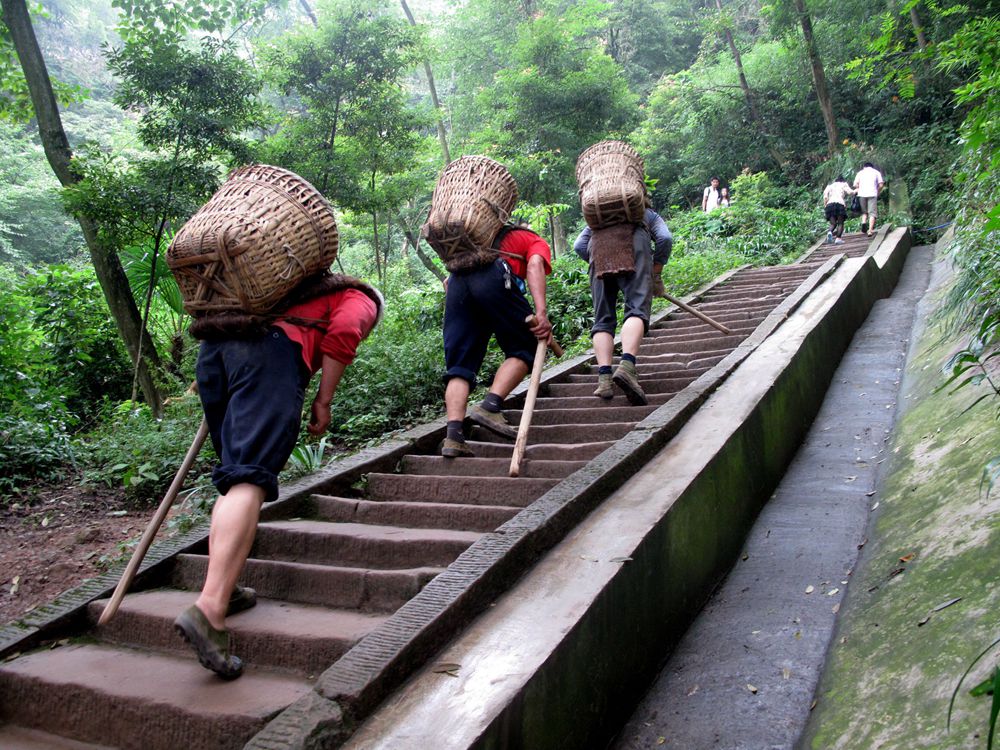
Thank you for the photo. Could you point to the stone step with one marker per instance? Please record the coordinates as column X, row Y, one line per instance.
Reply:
column 347, row 588
column 127, row 698
column 701, row 331
column 661, row 365
column 563, row 433
column 455, row 516
column 646, row 377
column 504, row 491
column 541, row 451
column 488, row 467
column 729, row 317
column 713, row 309
column 708, row 343
column 666, row 386
column 13, row 737
column 592, row 402
column 359, row 545
column 300, row 637
column 587, row 415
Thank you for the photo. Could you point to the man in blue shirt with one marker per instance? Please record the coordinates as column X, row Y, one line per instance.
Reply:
column 637, row 288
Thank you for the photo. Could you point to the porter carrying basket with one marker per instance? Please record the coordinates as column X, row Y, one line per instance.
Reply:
column 612, row 190
column 472, row 200
column 264, row 231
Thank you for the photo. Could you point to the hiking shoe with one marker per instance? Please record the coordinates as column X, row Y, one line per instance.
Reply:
column 211, row 645
column 829, row 238
column 451, row 448
column 605, row 388
column 838, row 241
column 495, row 422
column 243, row 598
column 626, row 378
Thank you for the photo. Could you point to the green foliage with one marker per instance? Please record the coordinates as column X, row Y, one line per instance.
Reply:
column 141, row 454
column 31, row 450
column 307, row 457
column 989, row 686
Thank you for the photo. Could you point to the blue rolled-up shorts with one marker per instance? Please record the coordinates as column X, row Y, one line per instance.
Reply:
column 479, row 304
column 252, row 393
column 636, row 289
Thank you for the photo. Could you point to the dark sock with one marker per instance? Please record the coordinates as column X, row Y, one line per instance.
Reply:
column 492, row 402
column 604, row 370
column 628, row 358
column 455, row 430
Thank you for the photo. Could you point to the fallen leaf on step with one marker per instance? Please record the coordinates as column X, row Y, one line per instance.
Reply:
column 850, row 478
column 810, row 589
column 751, row 688
column 786, row 673
column 693, row 690
column 906, row 558
column 946, row 604
column 831, row 592
column 15, row 585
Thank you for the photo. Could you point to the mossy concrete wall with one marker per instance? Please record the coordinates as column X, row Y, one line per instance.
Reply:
column 934, row 538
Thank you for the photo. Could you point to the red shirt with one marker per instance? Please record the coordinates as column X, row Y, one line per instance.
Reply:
column 524, row 244
column 345, row 317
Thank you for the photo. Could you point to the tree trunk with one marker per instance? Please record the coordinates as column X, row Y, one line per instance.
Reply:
column 819, row 78
column 776, row 155
column 107, row 265
column 414, row 241
column 309, row 12
column 918, row 29
column 442, row 133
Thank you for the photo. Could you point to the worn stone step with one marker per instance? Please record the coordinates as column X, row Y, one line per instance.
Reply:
column 133, row 699
column 517, row 492
column 553, row 451
column 586, row 415
column 684, row 320
column 701, row 331
column 707, row 343
column 414, row 515
column 13, row 737
column 330, row 586
column 301, row 637
column 646, row 377
column 593, row 402
column 563, row 433
column 487, row 467
column 662, row 365
column 667, row 386
column 712, row 309
column 360, row 545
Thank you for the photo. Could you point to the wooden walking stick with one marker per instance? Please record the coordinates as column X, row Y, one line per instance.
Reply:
column 698, row 314
column 154, row 525
column 529, row 401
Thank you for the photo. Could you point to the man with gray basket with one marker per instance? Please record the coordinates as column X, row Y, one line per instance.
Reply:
column 492, row 263
column 270, row 315
column 618, row 244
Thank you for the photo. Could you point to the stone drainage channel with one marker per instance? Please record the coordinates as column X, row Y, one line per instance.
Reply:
column 366, row 571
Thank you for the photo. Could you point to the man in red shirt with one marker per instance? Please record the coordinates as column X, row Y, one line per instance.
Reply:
column 486, row 301
column 252, row 387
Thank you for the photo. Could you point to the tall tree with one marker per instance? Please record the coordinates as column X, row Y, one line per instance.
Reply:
column 819, row 77
column 748, row 94
column 107, row 265
column 438, row 109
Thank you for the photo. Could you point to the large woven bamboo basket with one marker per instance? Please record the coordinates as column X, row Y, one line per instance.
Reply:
column 612, row 191
column 265, row 230
column 472, row 200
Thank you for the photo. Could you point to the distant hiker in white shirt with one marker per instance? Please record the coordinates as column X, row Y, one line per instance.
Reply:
column 868, row 182
column 711, row 196
column 835, row 207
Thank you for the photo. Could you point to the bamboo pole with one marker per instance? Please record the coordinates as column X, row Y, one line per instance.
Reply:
column 698, row 314
column 529, row 401
column 154, row 525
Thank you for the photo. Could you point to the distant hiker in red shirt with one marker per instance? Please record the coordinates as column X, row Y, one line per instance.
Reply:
column 489, row 300
column 252, row 384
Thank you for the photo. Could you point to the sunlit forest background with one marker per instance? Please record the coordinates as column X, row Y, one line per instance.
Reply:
column 368, row 100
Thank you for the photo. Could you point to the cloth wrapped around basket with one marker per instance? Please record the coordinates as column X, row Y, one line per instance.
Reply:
column 612, row 190
column 473, row 199
column 611, row 250
column 263, row 232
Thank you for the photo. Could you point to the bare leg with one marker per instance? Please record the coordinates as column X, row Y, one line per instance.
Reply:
column 604, row 347
column 632, row 333
column 456, row 398
column 234, row 525
column 511, row 372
